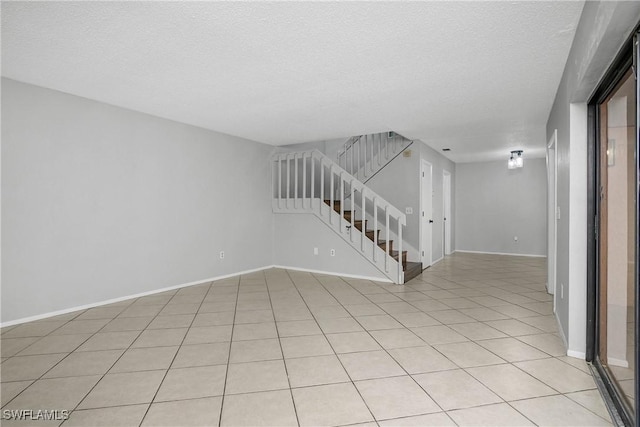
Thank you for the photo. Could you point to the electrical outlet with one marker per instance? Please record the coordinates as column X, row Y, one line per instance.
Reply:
column 515, row 238
column 221, row 254
column 315, row 251
column 561, row 290
column 408, row 211
column 332, row 252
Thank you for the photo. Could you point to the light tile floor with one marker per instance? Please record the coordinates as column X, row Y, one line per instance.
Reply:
column 472, row 341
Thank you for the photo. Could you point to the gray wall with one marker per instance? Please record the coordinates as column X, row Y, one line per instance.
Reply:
column 603, row 28
column 495, row 204
column 296, row 235
column 399, row 183
column 99, row 202
column 440, row 164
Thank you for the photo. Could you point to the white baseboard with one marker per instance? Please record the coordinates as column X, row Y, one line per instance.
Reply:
column 617, row 362
column 577, row 354
column 114, row 300
column 499, row 253
column 571, row 353
column 331, row 273
column 564, row 339
column 434, row 262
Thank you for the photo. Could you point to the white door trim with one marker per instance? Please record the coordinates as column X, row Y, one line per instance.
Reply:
column 426, row 214
column 446, row 216
column 552, row 214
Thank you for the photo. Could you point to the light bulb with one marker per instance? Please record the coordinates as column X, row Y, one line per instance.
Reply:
column 519, row 162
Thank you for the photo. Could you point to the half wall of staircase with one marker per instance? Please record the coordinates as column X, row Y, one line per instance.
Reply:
column 295, row 249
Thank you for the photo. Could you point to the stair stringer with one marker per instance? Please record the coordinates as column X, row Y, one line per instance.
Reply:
column 385, row 264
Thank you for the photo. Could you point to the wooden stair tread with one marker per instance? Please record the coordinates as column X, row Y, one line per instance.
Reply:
column 370, row 234
column 383, row 245
column 395, row 253
column 358, row 223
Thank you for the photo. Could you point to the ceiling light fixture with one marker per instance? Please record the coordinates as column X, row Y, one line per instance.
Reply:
column 516, row 160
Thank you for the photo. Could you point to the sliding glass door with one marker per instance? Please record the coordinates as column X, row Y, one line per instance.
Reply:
column 616, row 243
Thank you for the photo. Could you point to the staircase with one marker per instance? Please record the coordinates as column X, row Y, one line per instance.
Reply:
column 308, row 182
column 411, row 269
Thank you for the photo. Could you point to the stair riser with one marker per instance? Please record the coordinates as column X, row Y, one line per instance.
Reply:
column 413, row 270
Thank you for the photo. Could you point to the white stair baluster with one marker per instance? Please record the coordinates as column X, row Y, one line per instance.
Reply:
column 387, row 248
column 288, row 181
column 321, row 165
column 353, row 211
column 341, row 203
column 295, row 180
column 366, row 139
column 375, row 229
column 304, row 179
column 279, row 181
column 400, row 275
column 313, row 179
column 364, row 217
column 331, row 201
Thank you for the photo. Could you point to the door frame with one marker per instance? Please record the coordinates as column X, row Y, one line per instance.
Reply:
column 552, row 215
column 446, row 216
column 627, row 56
column 426, row 227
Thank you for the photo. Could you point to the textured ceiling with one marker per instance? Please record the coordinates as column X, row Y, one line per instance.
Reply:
column 477, row 77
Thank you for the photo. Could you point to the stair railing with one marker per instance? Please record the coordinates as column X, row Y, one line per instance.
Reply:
column 304, row 180
column 364, row 155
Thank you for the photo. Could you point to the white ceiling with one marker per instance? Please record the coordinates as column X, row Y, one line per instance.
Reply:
column 477, row 77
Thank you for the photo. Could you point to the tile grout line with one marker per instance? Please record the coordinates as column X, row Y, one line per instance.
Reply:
column 61, row 360
column 226, row 375
column 387, row 350
column 459, row 367
column 119, row 357
column 286, row 370
column 330, row 345
column 177, row 351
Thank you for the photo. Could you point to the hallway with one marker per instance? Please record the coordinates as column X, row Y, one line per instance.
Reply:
column 472, row 341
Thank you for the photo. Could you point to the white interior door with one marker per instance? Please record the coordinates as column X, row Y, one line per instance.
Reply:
column 552, row 214
column 446, row 215
column 426, row 214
